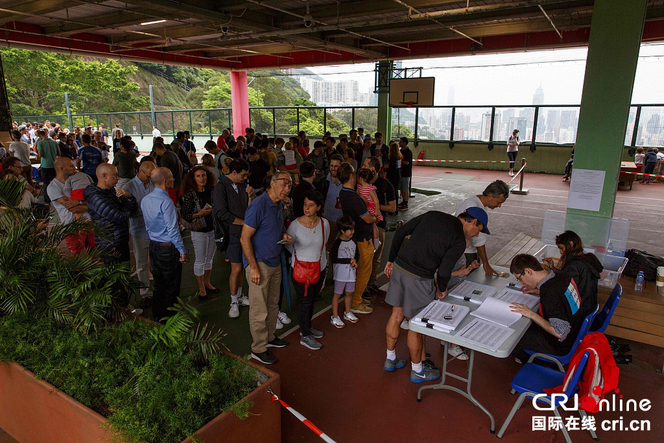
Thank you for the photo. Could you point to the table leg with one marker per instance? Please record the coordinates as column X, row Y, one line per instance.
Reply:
column 468, row 381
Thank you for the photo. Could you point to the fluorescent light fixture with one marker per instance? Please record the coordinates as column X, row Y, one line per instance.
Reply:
column 152, row 22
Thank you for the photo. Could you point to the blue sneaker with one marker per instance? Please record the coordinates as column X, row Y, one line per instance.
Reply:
column 391, row 365
column 427, row 374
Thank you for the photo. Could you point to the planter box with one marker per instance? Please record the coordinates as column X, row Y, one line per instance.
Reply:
column 33, row 410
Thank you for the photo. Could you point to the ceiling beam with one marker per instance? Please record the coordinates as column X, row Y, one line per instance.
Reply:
column 119, row 19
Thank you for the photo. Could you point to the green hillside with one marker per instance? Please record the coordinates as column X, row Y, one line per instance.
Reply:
column 167, row 95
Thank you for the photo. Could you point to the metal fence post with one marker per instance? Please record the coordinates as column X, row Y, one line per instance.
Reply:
column 191, row 127
column 210, row 122
column 140, row 126
column 274, row 122
column 636, row 125
column 352, row 118
column 324, row 120
column 298, row 119
column 173, row 123
column 521, row 191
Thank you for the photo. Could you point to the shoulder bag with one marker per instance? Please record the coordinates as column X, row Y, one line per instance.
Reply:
column 308, row 272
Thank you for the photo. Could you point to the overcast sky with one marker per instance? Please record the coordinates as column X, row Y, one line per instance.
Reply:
column 511, row 79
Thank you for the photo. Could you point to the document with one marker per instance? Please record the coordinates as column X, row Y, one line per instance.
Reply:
column 585, row 190
column 512, row 296
column 441, row 316
column 497, row 311
column 473, row 292
column 485, row 334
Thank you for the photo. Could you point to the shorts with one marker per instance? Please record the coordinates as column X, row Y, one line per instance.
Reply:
column 408, row 292
column 404, row 184
column 234, row 249
column 342, row 287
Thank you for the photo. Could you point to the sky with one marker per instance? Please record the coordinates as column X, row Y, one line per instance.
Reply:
column 512, row 78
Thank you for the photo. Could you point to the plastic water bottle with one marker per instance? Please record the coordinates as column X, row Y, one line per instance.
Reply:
column 638, row 287
column 609, row 249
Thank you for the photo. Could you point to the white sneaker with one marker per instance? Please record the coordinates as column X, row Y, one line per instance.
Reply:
column 243, row 300
column 283, row 318
column 279, row 324
column 234, row 311
column 336, row 321
column 351, row 317
column 405, row 324
column 458, row 353
column 133, row 310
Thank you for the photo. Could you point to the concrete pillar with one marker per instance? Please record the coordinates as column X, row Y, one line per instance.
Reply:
column 5, row 113
column 384, row 110
column 239, row 102
column 613, row 51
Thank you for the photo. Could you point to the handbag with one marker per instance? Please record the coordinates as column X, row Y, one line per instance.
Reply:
column 308, row 272
column 198, row 223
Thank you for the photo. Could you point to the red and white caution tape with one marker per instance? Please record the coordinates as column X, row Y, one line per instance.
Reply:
column 641, row 173
column 301, row 417
column 459, row 161
column 517, row 174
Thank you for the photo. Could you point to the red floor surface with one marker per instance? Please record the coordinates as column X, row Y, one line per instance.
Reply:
column 344, row 391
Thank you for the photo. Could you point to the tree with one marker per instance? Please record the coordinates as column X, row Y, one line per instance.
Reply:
column 401, row 131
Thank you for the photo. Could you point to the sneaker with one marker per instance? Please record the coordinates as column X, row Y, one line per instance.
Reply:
column 391, row 365
column 429, row 364
column 427, row 374
column 234, row 311
column 264, row 357
column 243, row 300
column 458, row 353
column 336, row 321
column 350, row 317
column 283, row 318
column 316, row 333
column 361, row 309
column 403, row 207
column 279, row 324
column 310, row 342
column 131, row 309
column 405, row 324
column 277, row 343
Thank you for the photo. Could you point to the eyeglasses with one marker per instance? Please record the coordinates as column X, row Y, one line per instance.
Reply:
column 518, row 277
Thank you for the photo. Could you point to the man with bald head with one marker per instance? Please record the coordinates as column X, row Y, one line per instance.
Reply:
column 167, row 251
column 68, row 208
column 139, row 187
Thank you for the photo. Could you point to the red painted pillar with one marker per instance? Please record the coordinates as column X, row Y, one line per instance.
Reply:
column 239, row 102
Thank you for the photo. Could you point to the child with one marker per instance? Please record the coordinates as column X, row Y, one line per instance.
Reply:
column 638, row 159
column 368, row 193
column 292, row 160
column 344, row 255
column 649, row 162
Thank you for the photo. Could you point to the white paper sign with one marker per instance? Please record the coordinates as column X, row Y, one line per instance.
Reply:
column 585, row 190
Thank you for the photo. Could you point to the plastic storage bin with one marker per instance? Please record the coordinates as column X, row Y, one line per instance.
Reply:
column 613, row 269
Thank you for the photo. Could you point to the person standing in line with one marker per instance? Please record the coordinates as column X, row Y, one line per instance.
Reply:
column 344, row 256
column 310, row 233
column 513, row 149
column 419, row 271
column 406, row 172
column 393, row 166
column 196, row 209
column 155, row 133
column 167, row 251
column 125, row 161
column 262, row 231
column 168, row 159
column 21, row 150
column 307, row 171
column 177, row 146
column 230, row 199
column 139, row 187
column 47, row 151
column 353, row 206
column 379, row 149
column 89, row 157
column 330, row 190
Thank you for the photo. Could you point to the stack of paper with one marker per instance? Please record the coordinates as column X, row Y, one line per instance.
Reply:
column 485, row 334
column 497, row 311
column 512, row 296
column 473, row 292
column 441, row 316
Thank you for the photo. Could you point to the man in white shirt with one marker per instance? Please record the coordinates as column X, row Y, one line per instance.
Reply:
column 155, row 133
column 21, row 150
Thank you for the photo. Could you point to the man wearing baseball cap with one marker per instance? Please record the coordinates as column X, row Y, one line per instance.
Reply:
column 419, row 271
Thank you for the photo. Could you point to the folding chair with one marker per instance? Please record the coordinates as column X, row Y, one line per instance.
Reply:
column 604, row 316
column 561, row 360
column 532, row 379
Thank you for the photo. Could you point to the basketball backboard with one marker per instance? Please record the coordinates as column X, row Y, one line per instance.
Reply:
column 411, row 92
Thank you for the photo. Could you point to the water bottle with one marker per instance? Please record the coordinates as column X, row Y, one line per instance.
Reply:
column 609, row 249
column 638, row 287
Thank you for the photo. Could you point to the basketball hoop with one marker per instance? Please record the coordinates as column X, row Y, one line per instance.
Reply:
column 407, row 104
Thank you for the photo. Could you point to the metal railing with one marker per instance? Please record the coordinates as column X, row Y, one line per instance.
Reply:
column 538, row 124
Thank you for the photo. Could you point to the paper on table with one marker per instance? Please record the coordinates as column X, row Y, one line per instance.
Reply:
column 473, row 292
column 437, row 310
column 585, row 191
column 512, row 296
column 497, row 311
column 485, row 334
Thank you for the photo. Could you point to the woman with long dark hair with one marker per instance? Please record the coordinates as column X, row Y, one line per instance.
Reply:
column 196, row 209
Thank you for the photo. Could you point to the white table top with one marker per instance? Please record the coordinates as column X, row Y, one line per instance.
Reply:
column 520, row 327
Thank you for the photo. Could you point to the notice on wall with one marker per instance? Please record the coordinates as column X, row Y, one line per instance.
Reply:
column 585, row 191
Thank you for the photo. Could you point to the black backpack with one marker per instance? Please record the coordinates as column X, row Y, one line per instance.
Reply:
column 642, row 261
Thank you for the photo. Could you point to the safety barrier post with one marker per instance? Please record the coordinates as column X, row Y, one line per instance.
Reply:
column 521, row 172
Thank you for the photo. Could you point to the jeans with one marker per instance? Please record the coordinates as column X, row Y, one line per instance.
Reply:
column 512, row 156
column 47, row 175
column 167, row 272
column 141, row 253
column 204, row 249
column 305, row 303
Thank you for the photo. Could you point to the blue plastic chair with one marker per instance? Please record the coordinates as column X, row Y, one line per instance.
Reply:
column 604, row 316
column 532, row 379
column 561, row 360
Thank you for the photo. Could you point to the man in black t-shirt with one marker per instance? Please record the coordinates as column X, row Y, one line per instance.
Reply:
column 258, row 168
column 307, row 171
column 406, row 172
column 388, row 204
column 353, row 206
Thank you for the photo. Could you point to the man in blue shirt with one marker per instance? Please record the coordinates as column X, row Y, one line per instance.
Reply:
column 139, row 187
column 89, row 157
column 167, row 251
column 263, row 229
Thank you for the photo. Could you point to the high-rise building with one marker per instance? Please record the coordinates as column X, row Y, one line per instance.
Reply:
column 337, row 93
column 538, row 96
